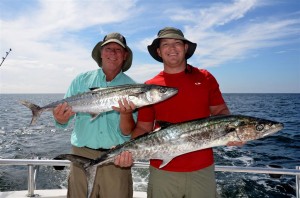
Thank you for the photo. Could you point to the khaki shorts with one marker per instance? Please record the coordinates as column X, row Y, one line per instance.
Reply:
column 110, row 181
column 194, row 184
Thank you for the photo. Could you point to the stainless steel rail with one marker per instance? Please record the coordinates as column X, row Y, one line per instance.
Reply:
column 34, row 163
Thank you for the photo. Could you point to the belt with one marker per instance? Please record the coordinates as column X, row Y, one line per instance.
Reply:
column 98, row 149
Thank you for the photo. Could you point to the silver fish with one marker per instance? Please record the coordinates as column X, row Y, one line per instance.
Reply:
column 101, row 100
column 173, row 140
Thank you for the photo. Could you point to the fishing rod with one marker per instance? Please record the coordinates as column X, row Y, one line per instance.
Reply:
column 3, row 58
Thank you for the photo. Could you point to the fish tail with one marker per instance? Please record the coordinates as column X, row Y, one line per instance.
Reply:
column 86, row 165
column 36, row 110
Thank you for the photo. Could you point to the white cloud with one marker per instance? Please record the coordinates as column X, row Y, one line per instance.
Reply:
column 52, row 43
column 144, row 71
column 215, row 15
column 44, row 42
column 216, row 47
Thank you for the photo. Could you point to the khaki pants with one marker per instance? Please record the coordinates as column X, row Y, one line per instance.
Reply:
column 110, row 181
column 196, row 184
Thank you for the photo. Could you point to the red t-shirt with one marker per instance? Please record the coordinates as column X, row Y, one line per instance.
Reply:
column 196, row 92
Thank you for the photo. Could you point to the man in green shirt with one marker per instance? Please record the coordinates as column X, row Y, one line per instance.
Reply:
column 114, row 57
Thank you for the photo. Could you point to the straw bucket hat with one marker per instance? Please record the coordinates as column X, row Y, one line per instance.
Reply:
column 173, row 33
column 116, row 38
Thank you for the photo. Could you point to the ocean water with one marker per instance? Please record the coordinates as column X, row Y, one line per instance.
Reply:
column 44, row 141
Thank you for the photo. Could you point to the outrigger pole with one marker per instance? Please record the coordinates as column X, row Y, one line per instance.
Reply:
column 3, row 58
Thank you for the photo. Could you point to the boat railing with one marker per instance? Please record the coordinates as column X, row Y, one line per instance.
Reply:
column 33, row 165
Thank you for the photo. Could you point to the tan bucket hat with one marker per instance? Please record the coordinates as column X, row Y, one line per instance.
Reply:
column 174, row 33
column 116, row 38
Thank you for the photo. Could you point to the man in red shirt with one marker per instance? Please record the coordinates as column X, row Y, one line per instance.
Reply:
column 192, row 174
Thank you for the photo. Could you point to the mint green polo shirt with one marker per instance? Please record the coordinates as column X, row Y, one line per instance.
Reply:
column 104, row 131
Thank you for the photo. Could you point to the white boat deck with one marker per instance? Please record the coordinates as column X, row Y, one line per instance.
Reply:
column 62, row 193
column 56, row 193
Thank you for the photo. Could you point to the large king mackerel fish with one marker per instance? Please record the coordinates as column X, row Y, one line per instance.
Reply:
column 101, row 100
column 172, row 140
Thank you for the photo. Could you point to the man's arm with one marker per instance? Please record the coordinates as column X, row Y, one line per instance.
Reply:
column 142, row 128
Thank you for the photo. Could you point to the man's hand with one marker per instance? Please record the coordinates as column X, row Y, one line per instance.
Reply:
column 62, row 113
column 124, row 159
column 125, row 107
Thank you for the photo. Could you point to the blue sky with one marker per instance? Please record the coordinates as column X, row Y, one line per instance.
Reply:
column 250, row 46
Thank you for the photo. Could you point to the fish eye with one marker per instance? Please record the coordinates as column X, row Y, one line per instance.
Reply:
column 242, row 123
column 260, row 127
column 229, row 129
column 162, row 90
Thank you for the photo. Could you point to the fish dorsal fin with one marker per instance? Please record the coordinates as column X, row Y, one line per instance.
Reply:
column 163, row 124
column 97, row 88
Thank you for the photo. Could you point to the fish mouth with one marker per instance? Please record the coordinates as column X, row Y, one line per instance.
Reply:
column 275, row 128
column 173, row 91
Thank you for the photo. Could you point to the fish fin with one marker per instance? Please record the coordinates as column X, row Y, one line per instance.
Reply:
column 163, row 124
column 36, row 110
column 94, row 116
column 94, row 88
column 86, row 165
column 91, row 175
column 165, row 162
column 155, row 130
column 80, row 161
column 97, row 88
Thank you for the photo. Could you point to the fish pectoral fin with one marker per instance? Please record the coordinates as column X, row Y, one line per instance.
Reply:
column 154, row 131
column 94, row 116
column 163, row 124
column 165, row 162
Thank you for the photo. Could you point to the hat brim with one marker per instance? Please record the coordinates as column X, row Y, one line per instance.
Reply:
column 113, row 41
column 152, row 49
column 96, row 54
